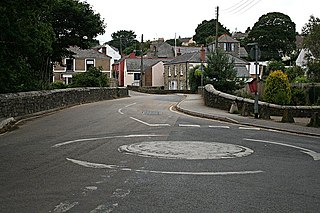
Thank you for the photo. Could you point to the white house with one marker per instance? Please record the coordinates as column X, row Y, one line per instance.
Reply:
column 110, row 51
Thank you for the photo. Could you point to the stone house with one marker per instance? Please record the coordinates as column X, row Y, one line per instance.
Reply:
column 176, row 71
column 80, row 62
column 228, row 44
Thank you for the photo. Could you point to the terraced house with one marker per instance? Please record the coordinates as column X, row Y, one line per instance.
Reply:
column 79, row 62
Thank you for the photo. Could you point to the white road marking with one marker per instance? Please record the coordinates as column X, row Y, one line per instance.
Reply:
column 152, row 125
column 120, row 110
column 249, row 128
column 103, row 138
column 222, row 127
column 189, row 125
column 313, row 154
column 64, row 207
column 104, row 166
column 105, row 208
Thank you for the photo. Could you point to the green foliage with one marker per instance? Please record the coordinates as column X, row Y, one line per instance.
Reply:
column 273, row 65
column 194, row 78
column 274, row 32
column 124, row 39
column 314, row 95
column 208, row 28
column 314, row 71
column 35, row 34
column 278, row 90
column 92, row 78
column 58, row 85
column 173, row 41
column 298, row 97
column 311, row 33
column 220, row 71
column 294, row 73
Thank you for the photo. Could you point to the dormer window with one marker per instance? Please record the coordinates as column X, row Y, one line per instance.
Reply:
column 89, row 63
column 69, row 65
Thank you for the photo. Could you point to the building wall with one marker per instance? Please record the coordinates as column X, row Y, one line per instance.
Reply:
column 178, row 80
column 157, row 75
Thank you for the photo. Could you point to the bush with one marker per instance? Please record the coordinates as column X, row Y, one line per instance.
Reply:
column 294, row 73
column 58, row 85
column 278, row 90
column 92, row 78
column 298, row 97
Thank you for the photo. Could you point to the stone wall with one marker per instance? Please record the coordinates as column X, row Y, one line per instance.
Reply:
column 220, row 100
column 24, row 103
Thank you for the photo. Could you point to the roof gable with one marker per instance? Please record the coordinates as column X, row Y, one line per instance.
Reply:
column 227, row 39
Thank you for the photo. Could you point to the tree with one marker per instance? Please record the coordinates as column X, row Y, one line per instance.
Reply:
column 174, row 42
column 220, row 71
column 195, row 78
column 35, row 34
column 311, row 32
column 92, row 78
column 208, row 28
column 124, row 39
column 274, row 33
column 278, row 89
column 294, row 73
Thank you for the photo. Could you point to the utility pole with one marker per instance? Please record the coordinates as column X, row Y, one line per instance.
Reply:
column 217, row 27
column 141, row 69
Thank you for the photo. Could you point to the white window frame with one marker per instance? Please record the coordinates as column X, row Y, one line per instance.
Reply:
column 181, row 70
column 169, row 71
column 73, row 65
column 89, row 59
column 175, row 70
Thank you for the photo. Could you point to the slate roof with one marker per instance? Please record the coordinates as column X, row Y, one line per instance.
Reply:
column 227, row 39
column 87, row 53
column 134, row 64
column 193, row 57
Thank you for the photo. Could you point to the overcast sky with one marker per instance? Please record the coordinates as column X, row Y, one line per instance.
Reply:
column 163, row 18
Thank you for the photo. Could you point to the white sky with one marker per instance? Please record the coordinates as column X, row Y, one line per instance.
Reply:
column 162, row 19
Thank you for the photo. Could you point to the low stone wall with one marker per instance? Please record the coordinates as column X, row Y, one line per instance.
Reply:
column 25, row 103
column 220, row 100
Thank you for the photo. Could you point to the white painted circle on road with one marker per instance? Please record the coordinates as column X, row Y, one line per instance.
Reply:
column 190, row 150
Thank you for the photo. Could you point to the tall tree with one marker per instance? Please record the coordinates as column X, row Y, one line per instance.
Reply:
column 208, row 28
column 124, row 39
column 220, row 71
column 275, row 33
column 36, row 33
column 311, row 32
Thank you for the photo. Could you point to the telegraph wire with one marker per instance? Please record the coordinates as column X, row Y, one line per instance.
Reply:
column 237, row 5
column 251, row 7
column 242, row 6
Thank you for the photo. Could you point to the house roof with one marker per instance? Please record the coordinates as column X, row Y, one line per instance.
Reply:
column 192, row 57
column 87, row 53
column 134, row 64
column 227, row 39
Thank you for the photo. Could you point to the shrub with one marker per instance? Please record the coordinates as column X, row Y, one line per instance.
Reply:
column 298, row 97
column 92, row 78
column 58, row 85
column 278, row 90
column 294, row 73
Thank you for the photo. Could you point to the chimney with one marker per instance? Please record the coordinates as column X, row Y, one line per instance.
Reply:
column 104, row 50
column 202, row 54
column 179, row 52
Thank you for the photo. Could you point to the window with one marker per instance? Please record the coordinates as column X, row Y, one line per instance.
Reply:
column 69, row 64
column 228, row 47
column 175, row 70
column 181, row 70
column 136, row 76
column 169, row 70
column 89, row 63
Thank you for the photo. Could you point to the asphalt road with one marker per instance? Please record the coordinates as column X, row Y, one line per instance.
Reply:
column 137, row 155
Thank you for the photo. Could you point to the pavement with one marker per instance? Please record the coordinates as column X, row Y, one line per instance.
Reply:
column 194, row 105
